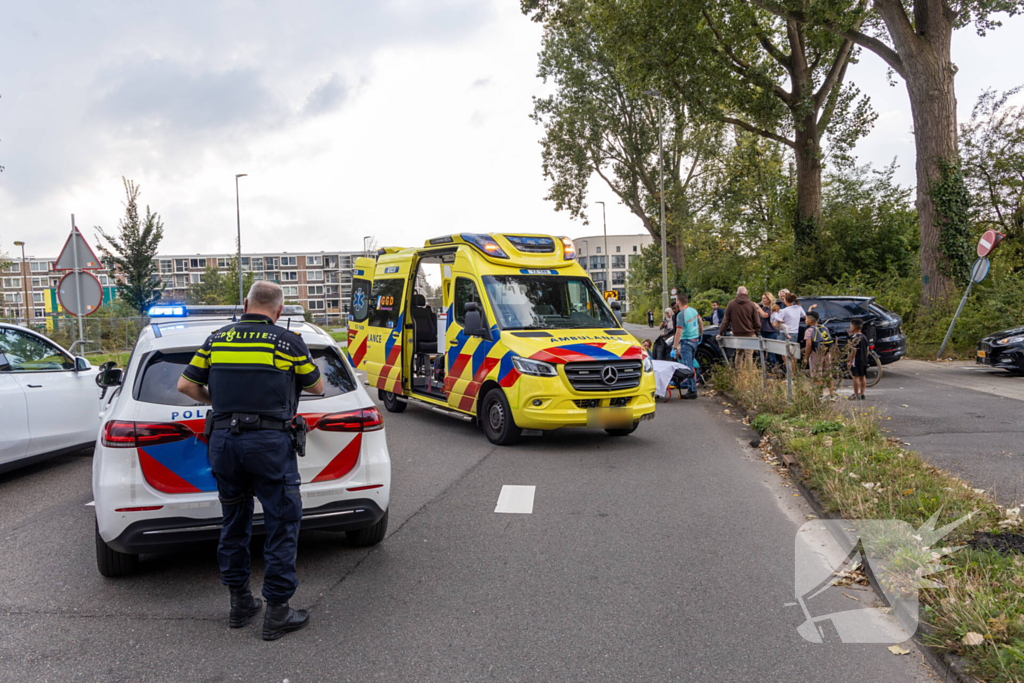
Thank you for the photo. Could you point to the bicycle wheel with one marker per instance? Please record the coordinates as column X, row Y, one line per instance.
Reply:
column 874, row 369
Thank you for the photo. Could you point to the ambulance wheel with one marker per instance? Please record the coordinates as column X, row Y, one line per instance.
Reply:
column 496, row 419
column 624, row 432
column 371, row 535
column 112, row 563
column 391, row 402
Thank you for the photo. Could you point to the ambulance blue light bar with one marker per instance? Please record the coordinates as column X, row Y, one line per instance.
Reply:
column 167, row 312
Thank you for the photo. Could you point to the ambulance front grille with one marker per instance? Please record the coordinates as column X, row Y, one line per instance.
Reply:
column 615, row 375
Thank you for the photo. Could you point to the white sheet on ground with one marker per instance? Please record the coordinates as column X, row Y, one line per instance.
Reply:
column 663, row 371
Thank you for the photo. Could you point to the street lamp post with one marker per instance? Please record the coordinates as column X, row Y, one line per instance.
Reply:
column 24, row 277
column 607, row 256
column 661, row 173
column 238, row 214
column 366, row 241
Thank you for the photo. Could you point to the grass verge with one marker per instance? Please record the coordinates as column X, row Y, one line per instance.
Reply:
column 121, row 358
column 858, row 472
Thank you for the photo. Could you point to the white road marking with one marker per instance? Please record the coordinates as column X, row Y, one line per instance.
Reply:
column 516, row 499
column 91, row 504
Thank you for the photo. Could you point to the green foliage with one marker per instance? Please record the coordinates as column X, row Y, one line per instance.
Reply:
column 992, row 148
column 953, row 203
column 219, row 288
column 826, row 426
column 762, row 422
column 643, row 284
column 598, row 123
column 133, row 250
column 869, row 225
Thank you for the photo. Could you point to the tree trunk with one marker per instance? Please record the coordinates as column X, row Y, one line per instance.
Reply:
column 808, row 183
column 676, row 251
column 933, row 102
column 924, row 49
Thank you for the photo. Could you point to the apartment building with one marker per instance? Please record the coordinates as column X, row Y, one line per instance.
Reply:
column 319, row 281
column 29, row 289
column 614, row 261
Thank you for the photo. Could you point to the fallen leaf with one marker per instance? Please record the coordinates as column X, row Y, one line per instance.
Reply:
column 907, row 492
column 868, row 485
column 973, row 638
column 827, row 441
column 905, row 406
column 897, row 650
column 854, row 475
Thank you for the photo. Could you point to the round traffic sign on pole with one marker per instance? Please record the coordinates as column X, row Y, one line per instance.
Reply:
column 988, row 242
column 979, row 271
column 84, row 287
column 674, row 291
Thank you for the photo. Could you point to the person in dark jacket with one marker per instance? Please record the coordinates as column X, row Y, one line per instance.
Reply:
column 716, row 313
column 650, row 318
column 744, row 319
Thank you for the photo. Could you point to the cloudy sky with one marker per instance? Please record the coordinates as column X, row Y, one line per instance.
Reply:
column 400, row 119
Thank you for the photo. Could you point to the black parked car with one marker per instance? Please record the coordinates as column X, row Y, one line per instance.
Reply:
column 1003, row 350
column 883, row 328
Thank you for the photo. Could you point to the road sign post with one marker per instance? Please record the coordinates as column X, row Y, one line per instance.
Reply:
column 82, row 290
column 979, row 271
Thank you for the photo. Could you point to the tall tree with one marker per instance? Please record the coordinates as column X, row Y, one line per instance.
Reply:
column 914, row 38
column 780, row 79
column 210, row 288
column 595, row 123
column 992, row 144
column 132, row 251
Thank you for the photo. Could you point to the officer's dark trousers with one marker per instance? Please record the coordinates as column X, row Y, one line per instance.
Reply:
column 261, row 462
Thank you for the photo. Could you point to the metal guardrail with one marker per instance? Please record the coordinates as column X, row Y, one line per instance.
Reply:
column 787, row 349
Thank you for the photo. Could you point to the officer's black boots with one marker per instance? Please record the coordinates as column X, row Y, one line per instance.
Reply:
column 243, row 606
column 282, row 619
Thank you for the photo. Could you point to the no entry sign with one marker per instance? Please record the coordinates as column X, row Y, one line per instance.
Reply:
column 988, row 242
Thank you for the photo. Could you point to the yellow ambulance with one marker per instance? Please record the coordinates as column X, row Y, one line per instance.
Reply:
column 518, row 339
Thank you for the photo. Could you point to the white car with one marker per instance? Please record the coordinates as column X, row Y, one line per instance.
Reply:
column 49, row 401
column 152, row 482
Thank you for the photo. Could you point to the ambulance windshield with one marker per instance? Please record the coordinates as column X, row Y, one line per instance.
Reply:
column 546, row 302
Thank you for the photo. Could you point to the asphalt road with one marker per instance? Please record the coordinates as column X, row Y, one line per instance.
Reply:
column 959, row 416
column 665, row 555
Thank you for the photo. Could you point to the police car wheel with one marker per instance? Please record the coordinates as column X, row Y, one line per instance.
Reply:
column 112, row 563
column 624, row 432
column 371, row 535
column 496, row 418
column 391, row 402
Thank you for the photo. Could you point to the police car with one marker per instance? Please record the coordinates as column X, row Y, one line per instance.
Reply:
column 152, row 482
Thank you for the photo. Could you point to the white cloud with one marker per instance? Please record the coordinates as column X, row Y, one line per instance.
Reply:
column 402, row 119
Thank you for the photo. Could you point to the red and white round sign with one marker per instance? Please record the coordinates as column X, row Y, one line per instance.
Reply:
column 988, row 242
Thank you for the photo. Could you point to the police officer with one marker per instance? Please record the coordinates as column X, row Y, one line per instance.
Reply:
column 252, row 372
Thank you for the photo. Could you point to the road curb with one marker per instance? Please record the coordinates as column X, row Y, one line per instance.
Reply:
column 950, row 666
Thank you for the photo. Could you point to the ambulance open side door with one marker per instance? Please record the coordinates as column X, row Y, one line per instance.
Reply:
column 359, row 309
column 386, row 331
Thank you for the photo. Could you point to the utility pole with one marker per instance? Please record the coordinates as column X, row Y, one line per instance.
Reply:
column 661, row 174
column 607, row 256
column 238, row 214
column 24, row 275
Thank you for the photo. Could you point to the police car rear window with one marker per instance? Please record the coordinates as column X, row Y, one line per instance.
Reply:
column 159, row 382
column 337, row 378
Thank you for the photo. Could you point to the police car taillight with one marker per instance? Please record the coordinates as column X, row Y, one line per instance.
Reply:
column 121, row 434
column 363, row 420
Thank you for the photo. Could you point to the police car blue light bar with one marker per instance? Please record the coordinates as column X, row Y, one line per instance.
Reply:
column 167, row 312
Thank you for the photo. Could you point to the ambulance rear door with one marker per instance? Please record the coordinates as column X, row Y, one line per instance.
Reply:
column 385, row 323
column 359, row 309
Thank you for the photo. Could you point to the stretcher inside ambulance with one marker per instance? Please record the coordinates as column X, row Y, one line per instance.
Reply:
column 517, row 338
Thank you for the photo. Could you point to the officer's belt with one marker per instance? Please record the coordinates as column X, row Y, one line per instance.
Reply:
column 246, row 422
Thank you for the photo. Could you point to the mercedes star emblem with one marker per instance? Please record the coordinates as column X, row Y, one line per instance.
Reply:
column 610, row 375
